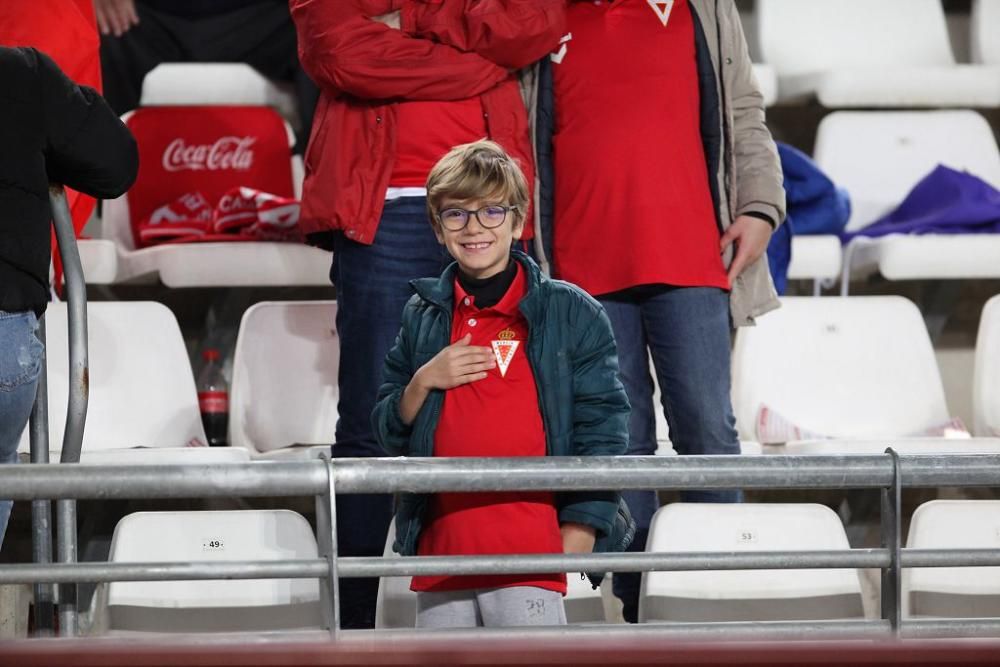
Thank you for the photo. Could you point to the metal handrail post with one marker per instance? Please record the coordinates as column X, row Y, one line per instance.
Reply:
column 326, row 539
column 892, row 587
column 79, row 394
column 41, row 510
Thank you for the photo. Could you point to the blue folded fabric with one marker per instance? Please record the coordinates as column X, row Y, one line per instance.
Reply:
column 814, row 204
column 946, row 201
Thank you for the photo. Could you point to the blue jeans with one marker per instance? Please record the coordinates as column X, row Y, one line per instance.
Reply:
column 20, row 363
column 372, row 284
column 687, row 330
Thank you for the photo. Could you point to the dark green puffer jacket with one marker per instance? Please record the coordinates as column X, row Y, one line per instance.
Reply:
column 572, row 354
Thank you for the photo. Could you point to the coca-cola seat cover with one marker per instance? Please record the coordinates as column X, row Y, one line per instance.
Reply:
column 210, row 150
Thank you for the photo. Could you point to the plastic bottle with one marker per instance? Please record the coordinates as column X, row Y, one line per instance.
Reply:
column 213, row 399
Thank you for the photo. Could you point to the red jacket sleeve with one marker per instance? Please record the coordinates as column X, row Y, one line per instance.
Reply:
column 343, row 49
column 510, row 33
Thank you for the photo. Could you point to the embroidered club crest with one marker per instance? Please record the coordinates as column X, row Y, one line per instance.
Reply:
column 662, row 9
column 504, row 349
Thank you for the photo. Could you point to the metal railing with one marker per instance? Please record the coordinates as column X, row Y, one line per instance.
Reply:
column 323, row 479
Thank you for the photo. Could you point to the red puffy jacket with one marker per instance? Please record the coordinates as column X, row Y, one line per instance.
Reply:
column 445, row 50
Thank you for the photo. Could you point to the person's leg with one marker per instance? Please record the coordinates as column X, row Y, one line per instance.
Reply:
column 688, row 329
column 517, row 606
column 372, row 284
column 451, row 609
column 633, row 360
column 126, row 60
column 20, row 363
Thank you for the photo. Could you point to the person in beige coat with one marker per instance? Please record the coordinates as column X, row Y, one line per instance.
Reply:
column 659, row 186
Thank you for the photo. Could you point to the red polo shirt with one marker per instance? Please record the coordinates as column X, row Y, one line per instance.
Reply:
column 632, row 200
column 496, row 416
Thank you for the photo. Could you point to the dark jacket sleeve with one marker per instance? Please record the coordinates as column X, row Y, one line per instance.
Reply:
column 600, row 410
column 388, row 426
column 87, row 147
column 510, row 33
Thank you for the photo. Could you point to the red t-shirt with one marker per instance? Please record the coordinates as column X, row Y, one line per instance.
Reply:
column 426, row 131
column 632, row 199
column 496, row 416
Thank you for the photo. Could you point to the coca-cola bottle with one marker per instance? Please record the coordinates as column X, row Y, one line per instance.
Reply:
column 213, row 399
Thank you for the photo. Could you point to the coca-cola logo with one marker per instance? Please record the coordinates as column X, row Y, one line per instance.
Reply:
column 234, row 153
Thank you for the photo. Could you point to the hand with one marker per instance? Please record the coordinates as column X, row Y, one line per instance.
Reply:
column 577, row 538
column 455, row 365
column 751, row 236
column 391, row 19
column 115, row 16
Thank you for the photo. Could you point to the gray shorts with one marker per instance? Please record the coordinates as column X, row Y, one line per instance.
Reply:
column 490, row 608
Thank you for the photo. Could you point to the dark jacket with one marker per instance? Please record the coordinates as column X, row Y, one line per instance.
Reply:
column 572, row 354
column 51, row 131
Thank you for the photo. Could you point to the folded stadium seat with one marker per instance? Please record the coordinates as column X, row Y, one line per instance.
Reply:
column 216, row 84
column 907, row 446
column 879, row 157
column 284, row 389
column 967, row 592
column 985, row 41
column 986, row 382
column 142, row 391
column 254, row 605
column 816, row 258
column 748, row 595
column 907, row 60
column 397, row 604
column 209, row 151
column 767, row 80
column 857, row 367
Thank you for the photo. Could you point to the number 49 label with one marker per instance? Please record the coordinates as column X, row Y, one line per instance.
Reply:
column 212, row 544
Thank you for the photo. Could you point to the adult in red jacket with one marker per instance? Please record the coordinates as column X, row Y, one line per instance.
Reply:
column 402, row 81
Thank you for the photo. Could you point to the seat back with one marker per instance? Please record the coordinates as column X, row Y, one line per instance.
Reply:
column 954, row 591
column 985, row 41
column 748, row 595
column 843, row 367
column 204, row 149
column 986, row 376
column 142, row 390
column 178, row 84
column 217, row 605
column 284, row 388
column 879, row 156
column 798, row 37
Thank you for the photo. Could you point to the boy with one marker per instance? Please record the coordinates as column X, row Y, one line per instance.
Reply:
column 495, row 359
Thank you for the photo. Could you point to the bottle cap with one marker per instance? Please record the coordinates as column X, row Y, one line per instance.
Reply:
column 211, row 354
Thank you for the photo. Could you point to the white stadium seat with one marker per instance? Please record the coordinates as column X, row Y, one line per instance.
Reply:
column 215, row 84
column 953, row 591
column 906, row 446
column 816, row 257
column 844, row 367
column 396, row 606
column 142, row 391
column 986, row 382
column 210, row 264
column 878, row 157
column 748, row 595
column 985, row 40
column 284, row 389
column 253, row 605
column 767, row 81
column 906, row 61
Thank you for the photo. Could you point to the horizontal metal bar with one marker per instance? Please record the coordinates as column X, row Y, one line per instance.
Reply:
column 105, row 572
column 619, row 562
column 426, row 475
column 469, row 565
column 950, row 628
column 769, row 630
column 82, row 480
column 950, row 557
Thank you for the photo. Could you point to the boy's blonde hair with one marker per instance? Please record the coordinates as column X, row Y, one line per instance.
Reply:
column 480, row 170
